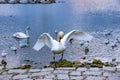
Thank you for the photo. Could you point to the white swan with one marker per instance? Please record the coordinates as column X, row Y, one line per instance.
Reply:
column 21, row 35
column 58, row 46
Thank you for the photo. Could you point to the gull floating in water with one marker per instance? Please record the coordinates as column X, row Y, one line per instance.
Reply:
column 3, row 54
column 58, row 46
column 21, row 35
column 106, row 41
column 14, row 48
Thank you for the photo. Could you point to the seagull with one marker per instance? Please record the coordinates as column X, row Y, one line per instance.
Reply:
column 113, row 44
column 3, row 54
column 14, row 48
column 21, row 35
column 58, row 46
column 118, row 40
column 108, row 33
column 106, row 41
column 81, row 42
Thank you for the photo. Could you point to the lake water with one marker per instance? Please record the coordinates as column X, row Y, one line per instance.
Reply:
column 84, row 15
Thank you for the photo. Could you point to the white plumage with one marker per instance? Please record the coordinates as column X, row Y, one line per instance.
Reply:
column 58, row 46
column 3, row 54
column 21, row 35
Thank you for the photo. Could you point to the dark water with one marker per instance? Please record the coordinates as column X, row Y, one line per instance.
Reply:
column 65, row 15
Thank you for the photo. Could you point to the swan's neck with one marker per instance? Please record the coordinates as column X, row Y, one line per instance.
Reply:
column 27, row 32
column 59, row 39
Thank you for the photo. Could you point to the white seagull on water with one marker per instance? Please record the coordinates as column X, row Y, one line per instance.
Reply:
column 58, row 46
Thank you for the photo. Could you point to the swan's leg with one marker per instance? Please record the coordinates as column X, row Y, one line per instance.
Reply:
column 61, row 57
column 28, row 42
column 53, row 57
column 54, row 61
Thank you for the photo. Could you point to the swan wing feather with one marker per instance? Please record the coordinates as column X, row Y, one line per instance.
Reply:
column 44, row 39
column 77, row 35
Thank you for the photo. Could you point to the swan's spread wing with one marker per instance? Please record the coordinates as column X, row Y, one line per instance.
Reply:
column 44, row 39
column 77, row 35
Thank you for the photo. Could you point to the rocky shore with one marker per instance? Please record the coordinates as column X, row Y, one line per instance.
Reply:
column 62, row 73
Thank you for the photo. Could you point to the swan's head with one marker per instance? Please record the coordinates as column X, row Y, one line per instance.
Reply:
column 27, row 28
column 60, row 35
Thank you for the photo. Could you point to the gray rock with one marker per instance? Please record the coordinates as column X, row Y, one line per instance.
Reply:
column 61, row 71
column 66, row 68
column 113, row 78
column 94, row 69
column 62, row 77
column 81, row 69
column 50, row 76
column 40, row 74
column 20, row 77
column 92, row 73
column 19, row 71
column 113, row 69
column 95, row 78
column 118, row 68
column 1, row 67
column 34, row 70
column 76, row 77
column 76, row 73
column 47, row 69
column 108, row 73
column 5, row 77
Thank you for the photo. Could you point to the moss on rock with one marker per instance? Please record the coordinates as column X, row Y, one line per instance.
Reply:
column 65, row 63
column 24, row 67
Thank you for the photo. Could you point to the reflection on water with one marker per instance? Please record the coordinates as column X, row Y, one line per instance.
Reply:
column 85, row 15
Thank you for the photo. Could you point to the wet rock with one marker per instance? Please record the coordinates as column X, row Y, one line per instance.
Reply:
column 34, row 70
column 95, row 78
column 81, row 69
column 75, row 73
column 17, row 71
column 17, row 77
column 76, row 77
column 92, row 73
column 112, row 69
column 47, row 69
column 62, row 77
column 113, row 78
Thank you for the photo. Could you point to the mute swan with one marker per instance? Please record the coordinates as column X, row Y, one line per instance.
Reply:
column 58, row 46
column 21, row 35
